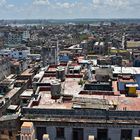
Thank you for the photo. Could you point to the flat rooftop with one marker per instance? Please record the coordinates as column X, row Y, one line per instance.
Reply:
column 67, row 85
column 89, row 101
column 12, row 107
column 86, row 100
column 51, row 69
column 128, row 103
column 21, row 81
column 131, row 44
column 27, row 72
column 48, row 79
column 7, row 81
column 10, row 94
column 71, row 86
column 126, row 70
column 47, row 102
column 27, row 93
column 27, row 125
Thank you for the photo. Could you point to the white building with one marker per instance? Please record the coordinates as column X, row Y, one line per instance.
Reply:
column 16, row 53
column 25, row 35
column 14, row 38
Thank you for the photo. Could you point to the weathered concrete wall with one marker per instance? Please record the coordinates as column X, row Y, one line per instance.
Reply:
column 113, row 133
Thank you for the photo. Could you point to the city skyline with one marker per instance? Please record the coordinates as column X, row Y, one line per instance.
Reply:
column 68, row 9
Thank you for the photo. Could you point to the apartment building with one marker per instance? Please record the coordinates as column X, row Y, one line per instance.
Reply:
column 74, row 109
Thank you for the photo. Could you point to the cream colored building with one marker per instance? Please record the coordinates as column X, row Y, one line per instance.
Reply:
column 27, row 131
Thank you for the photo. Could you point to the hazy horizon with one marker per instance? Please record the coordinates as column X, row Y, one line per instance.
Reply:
column 69, row 9
column 82, row 18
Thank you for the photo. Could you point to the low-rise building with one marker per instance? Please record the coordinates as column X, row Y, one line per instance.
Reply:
column 27, row 131
column 99, row 48
column 5, row 68
column 74, row 109
column 16, row 53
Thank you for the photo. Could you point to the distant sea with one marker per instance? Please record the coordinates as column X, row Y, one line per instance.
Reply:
column 32, row 22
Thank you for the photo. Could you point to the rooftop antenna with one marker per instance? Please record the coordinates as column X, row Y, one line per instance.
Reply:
column 57, row 50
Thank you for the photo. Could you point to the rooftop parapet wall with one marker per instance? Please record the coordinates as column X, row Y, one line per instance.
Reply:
column 96, row 92
column 83, row 113
column 35, row 102
column 74, row 76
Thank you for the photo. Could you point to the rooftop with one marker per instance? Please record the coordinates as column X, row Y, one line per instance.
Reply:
column 9, row 117
column 10, row 94
column 71, row 86
column 133, row 44
column 27, row 72
column 103, row 71
column 27, row 125
column 123, row 102
column 47, row 102
column 27, row 93
column 12, row 107
column 75, row 96
column 126, row 70
column 89, row 101
column 126, row 78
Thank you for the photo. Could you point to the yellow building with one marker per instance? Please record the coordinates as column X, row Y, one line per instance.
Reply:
column 132, row 89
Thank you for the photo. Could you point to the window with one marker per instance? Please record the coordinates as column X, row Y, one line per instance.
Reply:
column 78, row 134
column 126, row 134
column 60, row 132
column 139, row 134
column 20, row 53
column 10, row 134
column 2, row 132
column 40, row 131
column 102, row 134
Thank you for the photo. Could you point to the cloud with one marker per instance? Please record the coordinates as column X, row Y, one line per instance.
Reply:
column 65, row 5
column 10, row 6
column 111, row 3
column 5, row 5
column 69, row 9
column 2, row 2
column 41, row 2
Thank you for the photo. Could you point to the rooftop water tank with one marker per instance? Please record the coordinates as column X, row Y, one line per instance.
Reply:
column 60, row 73
column 55, row 89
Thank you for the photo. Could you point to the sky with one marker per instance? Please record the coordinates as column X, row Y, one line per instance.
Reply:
column 69, row 9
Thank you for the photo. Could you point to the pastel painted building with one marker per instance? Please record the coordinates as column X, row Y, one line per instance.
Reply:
column 27, row 131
